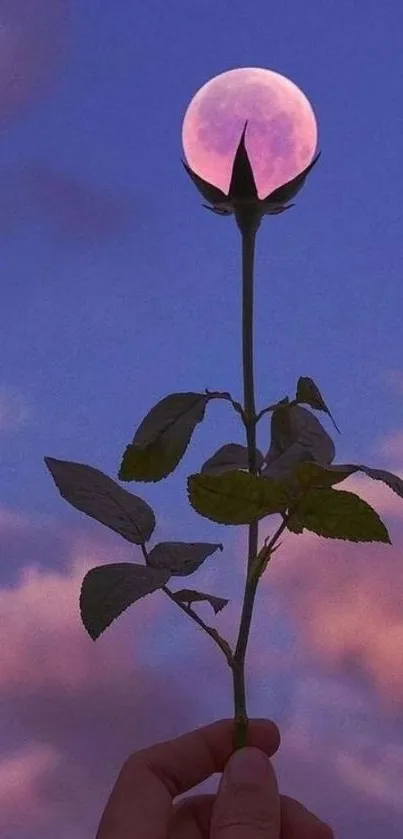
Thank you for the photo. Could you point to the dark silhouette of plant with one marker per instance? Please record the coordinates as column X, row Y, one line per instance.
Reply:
column 237, row 485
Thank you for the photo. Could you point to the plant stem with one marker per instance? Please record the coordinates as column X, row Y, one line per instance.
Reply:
column 248, row 225
column 221, row 642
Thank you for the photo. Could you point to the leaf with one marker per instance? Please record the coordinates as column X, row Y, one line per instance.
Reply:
column 392, row 481
column 188, row 596
column 180, row 558
column 281, row 404
column 311, row 474
column 236, row 497
column 260, row 562
column 229, row 457
column 288, row 190
column 242, row 184
column 336, row 514
column 163, row 437
column 296, row 435
column 208, row 191
column 108, row 590
column 219, row 211
column 308, row 392
column 97, row 495
column 314, row 473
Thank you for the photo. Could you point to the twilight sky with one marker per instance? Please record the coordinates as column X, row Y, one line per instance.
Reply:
column 119, row 288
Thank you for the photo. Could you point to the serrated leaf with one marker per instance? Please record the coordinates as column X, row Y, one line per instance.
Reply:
column 188, row 596
column 393, row 481
column 229, row 457
column 94, row 493
column 336, row 514
column 311, row 474
column 108, row 590
column 163, row 437
column 309, row 393
column 181, row 558
column 236, row 497
column 314, row 473
column 242, row 184
column 296, row 436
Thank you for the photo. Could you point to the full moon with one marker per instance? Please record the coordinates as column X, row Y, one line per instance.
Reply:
column 281, row 135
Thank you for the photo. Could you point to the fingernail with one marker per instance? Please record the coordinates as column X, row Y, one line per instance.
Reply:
column 247, row 764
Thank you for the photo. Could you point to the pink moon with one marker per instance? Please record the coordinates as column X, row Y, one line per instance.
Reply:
column 281, row 135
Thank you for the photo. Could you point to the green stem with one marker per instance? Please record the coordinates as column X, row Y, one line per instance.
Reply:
column 248, row 226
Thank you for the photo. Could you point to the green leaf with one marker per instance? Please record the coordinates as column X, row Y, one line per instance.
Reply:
column 188, row 596
column 236, row 497
column 108, row 590
column 315, row 474
column 180, row 558
column 163, row 437
column 311, row 474
column 336, row 514
column 97, row 495
column 309, row 393
column 296, row 436
column 229, row 457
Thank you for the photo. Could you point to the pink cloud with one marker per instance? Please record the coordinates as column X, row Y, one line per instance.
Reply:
column 50, row 648
column 21, row 776
column 32, row 44
column 336, row 757
column 392, row 445
column 72, row 709
column 90, row 703
column 345, row 599
column 379, row 779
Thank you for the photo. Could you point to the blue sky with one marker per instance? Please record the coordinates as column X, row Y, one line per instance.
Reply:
column 119, row 288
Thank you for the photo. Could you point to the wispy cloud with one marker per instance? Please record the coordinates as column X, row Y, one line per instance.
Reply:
column 72, row 709
column 71, row 209
column 345, row 599
column 33, row 39
column 21, row 777
column 76, row 209
column 392, row 445
column 63, row 694
column 15, row 412
column 342, row 758
column 394, row 379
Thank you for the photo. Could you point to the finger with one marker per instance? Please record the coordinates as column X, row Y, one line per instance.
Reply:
column 191, row 818
column 248, row 800
column 141, row 800
column 299, row 823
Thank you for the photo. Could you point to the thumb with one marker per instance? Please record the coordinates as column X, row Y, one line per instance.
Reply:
column 247, row 805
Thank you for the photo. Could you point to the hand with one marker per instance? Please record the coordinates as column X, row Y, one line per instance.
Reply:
column 141, row 803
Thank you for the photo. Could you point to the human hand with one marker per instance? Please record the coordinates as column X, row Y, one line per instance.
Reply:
column 141, row 803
